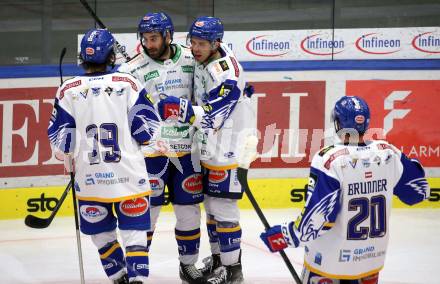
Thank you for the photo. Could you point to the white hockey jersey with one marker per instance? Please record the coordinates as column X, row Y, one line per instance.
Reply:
column 102, row 119
column 172, row 77
column 345, row 222
column 224, row 113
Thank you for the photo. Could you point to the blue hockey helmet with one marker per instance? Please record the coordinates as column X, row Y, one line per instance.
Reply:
column 96, row 46
column 156, row 22
column 351, row 112
column 208, row 28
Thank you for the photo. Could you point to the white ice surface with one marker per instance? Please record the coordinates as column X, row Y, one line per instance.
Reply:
column 50, row 255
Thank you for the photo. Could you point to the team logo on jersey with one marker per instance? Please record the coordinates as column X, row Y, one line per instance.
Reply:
column 217, row 176
column 93, row 213
column 420, row 185
column 317, row 217
column 108, row 91
column 193, row 184
column 96, row 91
column 157, row 186
column 134, row 207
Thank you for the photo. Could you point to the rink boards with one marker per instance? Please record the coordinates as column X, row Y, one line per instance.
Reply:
column 269, row 193
column 293, row 109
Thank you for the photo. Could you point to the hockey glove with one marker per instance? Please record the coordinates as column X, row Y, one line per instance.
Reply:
column 175, row 108
column 273, row 238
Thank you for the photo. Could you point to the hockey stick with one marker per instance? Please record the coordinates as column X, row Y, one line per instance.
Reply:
column 41, row 223
column 60, row 69
column 78, row 234
column 242, row 178
column 92, row 13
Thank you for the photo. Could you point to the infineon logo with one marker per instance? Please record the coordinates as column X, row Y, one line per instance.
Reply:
column 264, row 46
column 427, row 42
column 317, row 45
column 374, row 43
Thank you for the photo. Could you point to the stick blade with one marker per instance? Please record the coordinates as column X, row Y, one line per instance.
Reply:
column 36, row 222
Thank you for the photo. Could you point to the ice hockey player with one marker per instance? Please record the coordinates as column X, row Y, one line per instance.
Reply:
column 225, row 115
column 102, row 119
column 344, row 225
column 167, row 68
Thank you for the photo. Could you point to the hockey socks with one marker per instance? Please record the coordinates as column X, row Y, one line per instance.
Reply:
column 112, row 259
column 229, row 235
column 136, row 258
column 211, row 225
column 188, row 243
column 149, row 239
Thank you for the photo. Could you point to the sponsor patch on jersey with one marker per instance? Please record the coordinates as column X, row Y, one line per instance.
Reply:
column 134, row 207
column 125, row 79
column 69, row 86
column 93, row 213
column 383, row 146
column 366, row 162
column 224, row 65
column 235, row 64
column 175, row 132
column 333, row 157
column 193, row 184
column 157, row 186
column 217, row 176
column 377, row 160
column 108, row 91
column 96, row 91
column 353, row 162
column 321, row 280
column 151, row 75
column 187, row 69
column 318, row 258
column 325, row 150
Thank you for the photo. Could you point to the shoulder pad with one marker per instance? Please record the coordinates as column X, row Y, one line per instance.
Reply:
column 325, row 150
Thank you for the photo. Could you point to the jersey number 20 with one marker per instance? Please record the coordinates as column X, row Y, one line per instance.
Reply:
column 373, row 208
